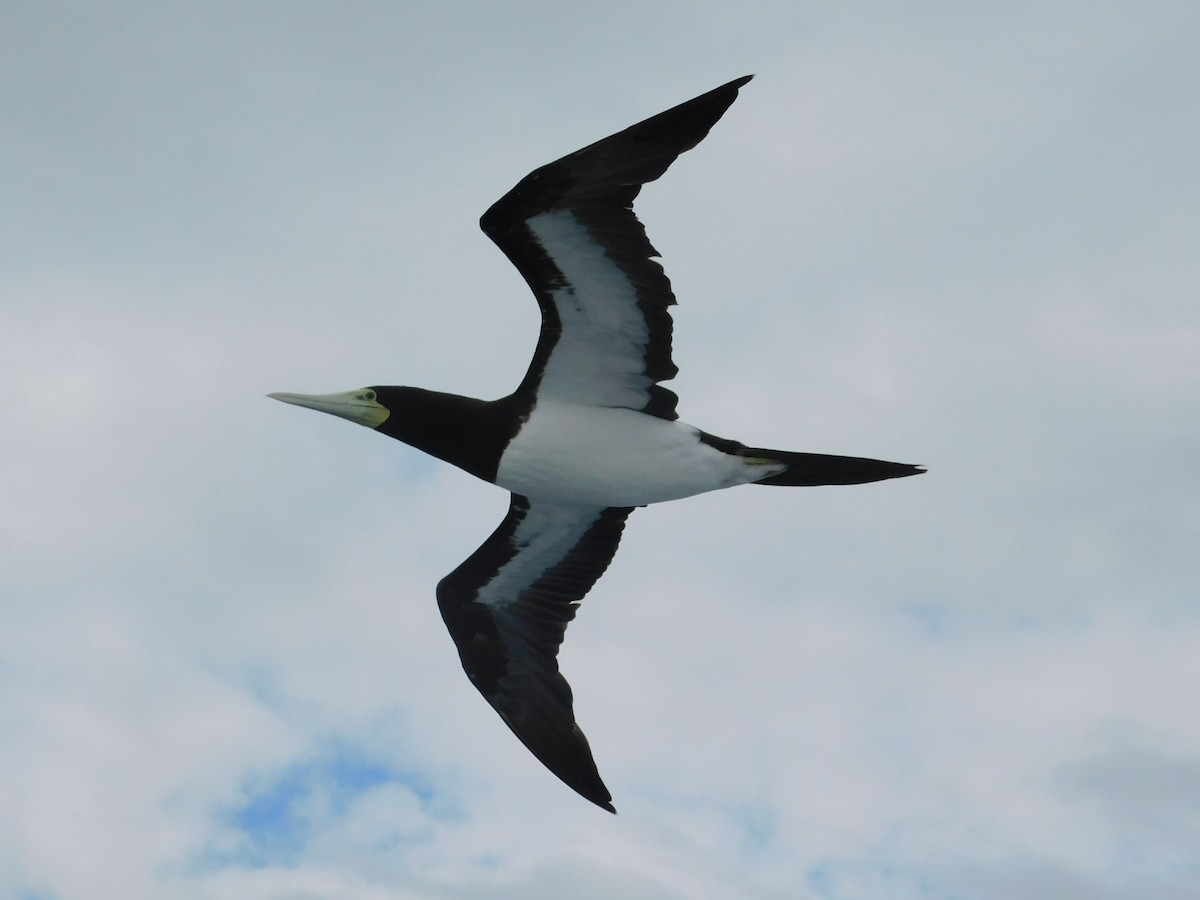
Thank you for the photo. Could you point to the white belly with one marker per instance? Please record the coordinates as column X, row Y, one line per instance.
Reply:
column 567, row 453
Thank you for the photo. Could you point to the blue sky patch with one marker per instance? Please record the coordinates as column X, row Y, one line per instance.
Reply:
column 282, row 813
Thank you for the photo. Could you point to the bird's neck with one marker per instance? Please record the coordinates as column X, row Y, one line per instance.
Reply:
column 463, row 431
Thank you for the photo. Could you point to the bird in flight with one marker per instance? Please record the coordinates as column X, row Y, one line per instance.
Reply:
column 588, row 435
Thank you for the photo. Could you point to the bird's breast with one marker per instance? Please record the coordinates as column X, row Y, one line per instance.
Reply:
column 609, row 456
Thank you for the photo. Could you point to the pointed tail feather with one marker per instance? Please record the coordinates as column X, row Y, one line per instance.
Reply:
column 820, row 468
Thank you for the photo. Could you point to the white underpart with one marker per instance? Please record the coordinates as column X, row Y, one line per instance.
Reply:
column 567, row 453
column 600, row 356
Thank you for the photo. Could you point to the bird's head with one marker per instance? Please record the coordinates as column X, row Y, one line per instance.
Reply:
column 462, row 431
column 366, row 406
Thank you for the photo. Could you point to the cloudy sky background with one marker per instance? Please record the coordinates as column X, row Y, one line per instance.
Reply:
column 964, row 236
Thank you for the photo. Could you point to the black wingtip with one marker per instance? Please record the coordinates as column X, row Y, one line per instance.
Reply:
column 601, row 801
column 580, row 775
column 586, row 784
column 621, row 162
column 576, row 769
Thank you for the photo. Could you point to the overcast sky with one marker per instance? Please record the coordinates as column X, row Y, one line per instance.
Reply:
column 963, row 235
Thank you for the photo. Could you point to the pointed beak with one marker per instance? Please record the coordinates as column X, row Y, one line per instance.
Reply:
column 358, row 406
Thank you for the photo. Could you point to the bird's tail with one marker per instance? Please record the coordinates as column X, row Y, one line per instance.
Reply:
column 821, row 468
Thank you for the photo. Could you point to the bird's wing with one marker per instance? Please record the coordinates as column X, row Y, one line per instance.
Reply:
column 507, row 608
column 570, row 229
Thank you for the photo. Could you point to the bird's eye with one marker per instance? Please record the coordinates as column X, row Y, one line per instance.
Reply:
column 367, row 395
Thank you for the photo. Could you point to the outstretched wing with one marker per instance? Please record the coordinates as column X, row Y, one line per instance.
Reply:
column 570, row 229
column 507, row 608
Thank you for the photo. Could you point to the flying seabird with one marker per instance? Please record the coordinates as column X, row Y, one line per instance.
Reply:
column 587, row 436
